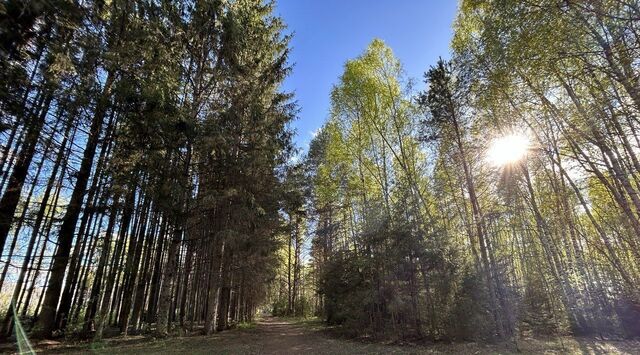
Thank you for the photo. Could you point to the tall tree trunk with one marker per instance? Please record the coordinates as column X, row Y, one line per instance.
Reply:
column 170, row 269
column 11, row 196
column 46, row 323
column 105, row 292
column 131, row 270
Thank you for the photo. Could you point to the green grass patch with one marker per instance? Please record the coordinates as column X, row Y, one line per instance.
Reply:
column 245, row 325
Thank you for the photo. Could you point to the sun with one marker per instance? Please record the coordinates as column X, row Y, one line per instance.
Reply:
column 508, row 149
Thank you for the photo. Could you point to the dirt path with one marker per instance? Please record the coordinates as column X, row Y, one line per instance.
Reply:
column 269, row 336
column 280, row 336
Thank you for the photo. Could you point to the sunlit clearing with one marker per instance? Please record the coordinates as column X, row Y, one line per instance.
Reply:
column 508, row 149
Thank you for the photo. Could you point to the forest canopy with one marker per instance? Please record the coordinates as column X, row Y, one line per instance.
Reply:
column 150, row 184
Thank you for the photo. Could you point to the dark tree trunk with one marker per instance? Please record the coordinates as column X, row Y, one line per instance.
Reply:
column 11, row 196
column 46, row 323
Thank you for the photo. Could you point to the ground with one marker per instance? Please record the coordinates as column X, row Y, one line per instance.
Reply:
column 282, row 336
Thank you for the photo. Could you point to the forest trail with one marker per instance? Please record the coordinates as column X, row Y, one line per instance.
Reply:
column 270, row 335
column 283, row 336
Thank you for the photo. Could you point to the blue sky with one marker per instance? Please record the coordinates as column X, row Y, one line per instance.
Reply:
column 327, row 33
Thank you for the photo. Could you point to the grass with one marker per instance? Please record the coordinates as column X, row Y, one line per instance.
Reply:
column 311, row 336
column 246, row 325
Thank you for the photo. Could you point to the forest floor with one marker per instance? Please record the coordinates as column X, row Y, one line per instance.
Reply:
column 285, row 336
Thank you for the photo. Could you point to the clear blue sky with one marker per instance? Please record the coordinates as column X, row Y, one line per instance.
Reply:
column 327, row 33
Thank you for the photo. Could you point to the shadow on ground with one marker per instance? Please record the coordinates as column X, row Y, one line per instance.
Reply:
column 281, row 336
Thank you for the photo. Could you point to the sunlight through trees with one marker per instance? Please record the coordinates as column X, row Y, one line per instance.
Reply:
column 149, row 183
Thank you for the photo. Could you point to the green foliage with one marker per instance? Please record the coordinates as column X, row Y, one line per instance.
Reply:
column 176, row 139
column 413, row 221
column 346, row 291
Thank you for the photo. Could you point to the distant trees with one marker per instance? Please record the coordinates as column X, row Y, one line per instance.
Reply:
column 291, row 291
column 142, row 144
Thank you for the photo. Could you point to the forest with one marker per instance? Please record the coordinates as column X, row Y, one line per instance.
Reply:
column 150, row 182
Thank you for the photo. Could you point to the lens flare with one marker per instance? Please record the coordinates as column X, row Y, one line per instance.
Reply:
column 508, row 149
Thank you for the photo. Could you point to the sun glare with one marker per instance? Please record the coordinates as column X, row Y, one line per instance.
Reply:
column 508, row 149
